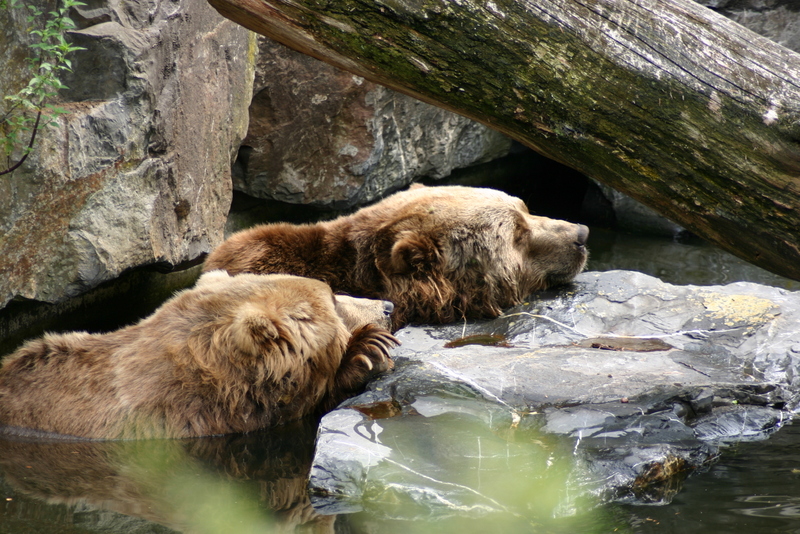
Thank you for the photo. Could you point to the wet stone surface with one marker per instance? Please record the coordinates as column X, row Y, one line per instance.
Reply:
column 614, row 388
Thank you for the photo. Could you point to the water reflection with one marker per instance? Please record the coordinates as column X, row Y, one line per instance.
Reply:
column 514, row 481
column 688, row 261
column 770, row 506
column 754, row 487
column 240, row 483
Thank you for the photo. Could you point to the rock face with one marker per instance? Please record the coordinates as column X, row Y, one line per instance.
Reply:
column 138, row 172
column 321, row 136
column 620, row 384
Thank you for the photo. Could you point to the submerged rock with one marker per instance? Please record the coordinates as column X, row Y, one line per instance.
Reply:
column 614, row 388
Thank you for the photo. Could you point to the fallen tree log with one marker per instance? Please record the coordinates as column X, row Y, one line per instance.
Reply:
column 663, row 100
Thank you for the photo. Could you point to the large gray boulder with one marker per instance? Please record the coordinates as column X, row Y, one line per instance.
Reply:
column 321, row 136
column 612, row 389
column 138, row 172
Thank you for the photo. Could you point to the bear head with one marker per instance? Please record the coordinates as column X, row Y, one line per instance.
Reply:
column 447, row 253
column 286, row 316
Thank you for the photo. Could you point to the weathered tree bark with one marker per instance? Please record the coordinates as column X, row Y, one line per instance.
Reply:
column 664, row 100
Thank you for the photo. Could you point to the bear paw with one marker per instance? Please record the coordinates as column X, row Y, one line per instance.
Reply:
column 367, row 355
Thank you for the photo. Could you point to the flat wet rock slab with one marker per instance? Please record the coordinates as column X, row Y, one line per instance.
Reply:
column 613, row 388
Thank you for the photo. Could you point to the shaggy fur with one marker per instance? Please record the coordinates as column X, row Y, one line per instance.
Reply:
column 233, row 354
column 438, row 253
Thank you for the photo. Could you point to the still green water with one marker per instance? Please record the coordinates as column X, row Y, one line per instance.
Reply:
column 256, row 483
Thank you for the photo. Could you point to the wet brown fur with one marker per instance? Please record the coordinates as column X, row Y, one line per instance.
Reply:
column 439, row 254
column 233, row 354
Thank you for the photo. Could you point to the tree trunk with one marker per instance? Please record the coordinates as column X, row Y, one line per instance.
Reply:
column 664, row 100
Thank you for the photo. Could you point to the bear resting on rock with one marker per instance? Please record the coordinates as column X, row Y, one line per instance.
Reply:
column 439, row 254
column 232, row 354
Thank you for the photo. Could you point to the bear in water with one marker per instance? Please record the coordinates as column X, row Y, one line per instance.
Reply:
column 232, row 354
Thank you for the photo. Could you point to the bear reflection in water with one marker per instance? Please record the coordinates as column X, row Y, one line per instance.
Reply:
column 253, row 482
column 440, row 254
column 232, row 354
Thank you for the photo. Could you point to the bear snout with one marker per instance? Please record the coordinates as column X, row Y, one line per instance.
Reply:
column 582, row 236
column 357, row 312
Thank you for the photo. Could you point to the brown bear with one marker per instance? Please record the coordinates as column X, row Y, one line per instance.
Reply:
column 232, row 354
column 438, row 253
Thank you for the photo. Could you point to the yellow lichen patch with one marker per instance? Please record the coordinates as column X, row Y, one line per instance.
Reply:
column 737, row 309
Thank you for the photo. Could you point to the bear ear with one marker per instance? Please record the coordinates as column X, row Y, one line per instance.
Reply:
column 211, row 278
column 412, row 252
column 522, row 230
column 252, row 326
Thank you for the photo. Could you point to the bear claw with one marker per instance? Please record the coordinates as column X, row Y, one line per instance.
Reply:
column 367, row 355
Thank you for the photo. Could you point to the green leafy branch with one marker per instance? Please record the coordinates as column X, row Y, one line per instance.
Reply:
column 48, row 60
